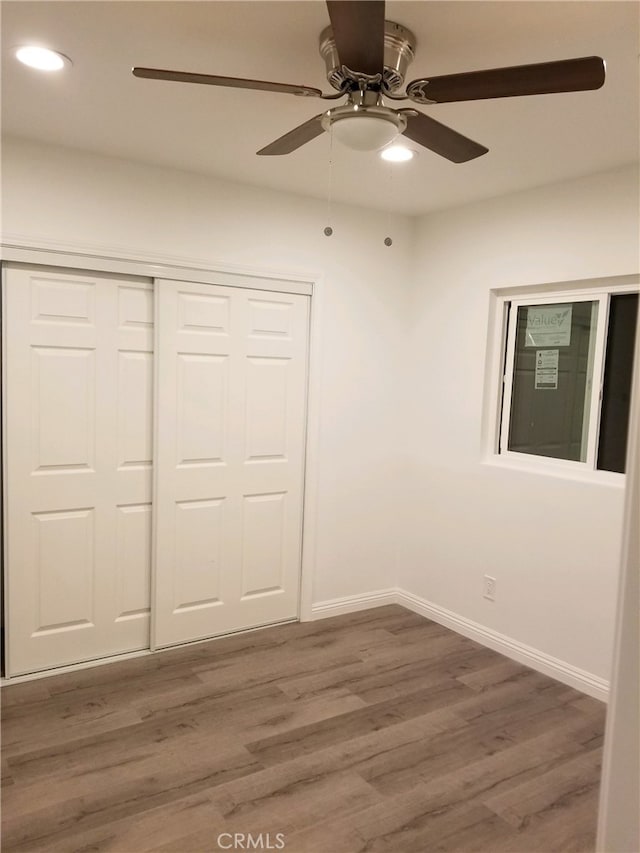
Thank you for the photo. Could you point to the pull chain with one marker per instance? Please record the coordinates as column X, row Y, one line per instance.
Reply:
column 387, row 240
column 328, row 231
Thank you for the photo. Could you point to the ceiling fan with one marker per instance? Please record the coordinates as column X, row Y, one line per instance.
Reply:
column 366, row 60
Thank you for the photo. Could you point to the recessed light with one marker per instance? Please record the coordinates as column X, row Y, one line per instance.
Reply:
column 397, row 154
column 41, row 58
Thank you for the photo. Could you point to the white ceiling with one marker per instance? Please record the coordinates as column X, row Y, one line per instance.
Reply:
column 99, row 106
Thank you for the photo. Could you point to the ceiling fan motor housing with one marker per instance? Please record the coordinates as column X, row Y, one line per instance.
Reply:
column 399, row 51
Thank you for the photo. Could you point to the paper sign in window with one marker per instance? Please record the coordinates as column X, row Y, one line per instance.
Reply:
column 549, row 326
column 547, row 368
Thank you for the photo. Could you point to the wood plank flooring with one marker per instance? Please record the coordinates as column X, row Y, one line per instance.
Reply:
column 375, row 731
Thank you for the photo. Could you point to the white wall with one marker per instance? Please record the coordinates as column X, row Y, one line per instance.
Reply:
column 552, row 543
column 403, row 496
column 71, row 197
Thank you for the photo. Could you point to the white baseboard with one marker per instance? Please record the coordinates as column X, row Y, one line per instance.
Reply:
column 584, row 681
column 352, row 603
column 581, row 680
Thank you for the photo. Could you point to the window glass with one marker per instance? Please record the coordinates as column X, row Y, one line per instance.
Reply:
column 616, row 391
column 553, row 379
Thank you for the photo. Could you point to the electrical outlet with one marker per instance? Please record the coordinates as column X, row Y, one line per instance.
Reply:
column 489, row 588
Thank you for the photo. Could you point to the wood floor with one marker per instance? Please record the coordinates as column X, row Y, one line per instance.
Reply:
column 375, row 731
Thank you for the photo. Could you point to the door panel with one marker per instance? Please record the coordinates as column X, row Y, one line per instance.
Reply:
column 63, row 409
column 63, row 557
column 263, row 526
column 135, row 409
column 78, row 449
column 202, row 416
column 198, row 561
column 267, row 385
column 230, row 429
column 133, row 561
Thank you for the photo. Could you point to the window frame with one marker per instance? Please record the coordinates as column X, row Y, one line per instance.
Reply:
column 595, row 380
column 504, row 304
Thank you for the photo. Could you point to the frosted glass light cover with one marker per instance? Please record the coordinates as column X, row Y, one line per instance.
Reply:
column 363, row 132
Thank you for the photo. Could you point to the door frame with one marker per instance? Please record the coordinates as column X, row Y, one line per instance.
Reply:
column 68, row 256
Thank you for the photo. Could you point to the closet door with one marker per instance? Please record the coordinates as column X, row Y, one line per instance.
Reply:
column 78, row 450
column 230, row 427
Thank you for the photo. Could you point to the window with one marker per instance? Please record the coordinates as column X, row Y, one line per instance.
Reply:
column 567, row 378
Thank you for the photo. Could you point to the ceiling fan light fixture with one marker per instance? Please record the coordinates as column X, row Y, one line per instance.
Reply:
column 364, row 133
column 364, row 128
column 41, row 58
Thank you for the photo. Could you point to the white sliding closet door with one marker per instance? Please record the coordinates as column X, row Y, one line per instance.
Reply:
column 230, row 427
column 78, row 452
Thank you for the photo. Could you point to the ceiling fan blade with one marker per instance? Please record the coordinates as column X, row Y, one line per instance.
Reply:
column 358, row 30
column 567, row 75
column 441, row 139
column 296, row 138
column 233, row 82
